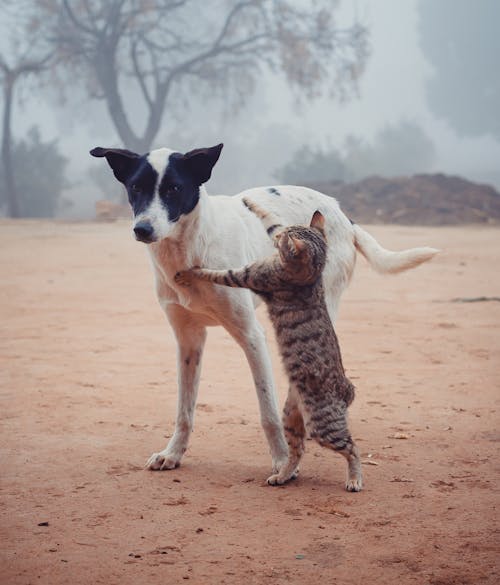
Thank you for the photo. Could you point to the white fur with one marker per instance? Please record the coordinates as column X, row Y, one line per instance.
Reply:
column 385, row 261
column 222, row 233
column 155, row 213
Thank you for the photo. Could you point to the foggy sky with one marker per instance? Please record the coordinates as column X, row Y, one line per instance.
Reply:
column 264, row 135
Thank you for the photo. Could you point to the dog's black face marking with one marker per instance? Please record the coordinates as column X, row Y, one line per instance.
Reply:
column 162, row 185
column 274, row 191
column 178, row 190
column 140, row 185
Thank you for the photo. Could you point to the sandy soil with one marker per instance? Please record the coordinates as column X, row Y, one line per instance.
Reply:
column 88, row 393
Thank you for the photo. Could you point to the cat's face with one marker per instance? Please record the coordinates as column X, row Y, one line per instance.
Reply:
column 302, row 249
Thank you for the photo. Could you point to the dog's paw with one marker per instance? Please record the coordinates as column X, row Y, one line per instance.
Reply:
column 184, row 278
column 279, row 479
column 280, row 463
column 161, row 461
column 275, row 479
column 354, row 484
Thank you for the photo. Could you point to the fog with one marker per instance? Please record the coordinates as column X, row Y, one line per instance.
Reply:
column 264, row 134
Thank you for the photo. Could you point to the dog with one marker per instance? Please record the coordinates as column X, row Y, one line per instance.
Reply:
column 184, row 227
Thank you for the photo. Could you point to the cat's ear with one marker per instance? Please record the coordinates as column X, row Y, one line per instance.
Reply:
column 318, row 220
column 296, row 245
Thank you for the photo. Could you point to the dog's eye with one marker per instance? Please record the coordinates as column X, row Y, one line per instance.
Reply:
column 135, row 189
column 172, row 189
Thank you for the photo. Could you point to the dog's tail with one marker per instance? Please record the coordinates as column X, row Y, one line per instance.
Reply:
column 386, row 261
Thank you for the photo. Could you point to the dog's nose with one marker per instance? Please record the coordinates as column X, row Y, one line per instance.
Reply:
column 144, row 232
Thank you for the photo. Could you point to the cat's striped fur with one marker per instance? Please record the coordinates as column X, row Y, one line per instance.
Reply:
column 291, row 285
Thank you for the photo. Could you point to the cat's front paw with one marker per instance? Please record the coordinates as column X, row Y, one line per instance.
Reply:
column 184, row 277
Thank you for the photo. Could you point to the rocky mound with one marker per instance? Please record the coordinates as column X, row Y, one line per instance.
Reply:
column 421, row 199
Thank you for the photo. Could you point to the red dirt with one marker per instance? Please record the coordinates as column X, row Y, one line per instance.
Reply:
column 88, row 393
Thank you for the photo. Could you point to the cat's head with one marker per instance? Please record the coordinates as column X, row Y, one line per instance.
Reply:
column 302, row 249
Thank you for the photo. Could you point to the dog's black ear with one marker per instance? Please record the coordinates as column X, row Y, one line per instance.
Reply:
column 201, row 161
column 123, row 162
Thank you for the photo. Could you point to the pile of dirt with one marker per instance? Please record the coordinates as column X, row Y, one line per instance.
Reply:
column 421, row 199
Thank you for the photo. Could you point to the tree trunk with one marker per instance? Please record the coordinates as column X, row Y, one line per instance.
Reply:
column 13, row 208
column 130, row 139
column 106, row 73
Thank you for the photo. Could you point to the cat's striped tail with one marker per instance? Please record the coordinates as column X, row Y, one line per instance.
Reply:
column 270, row 221
column 386, row 261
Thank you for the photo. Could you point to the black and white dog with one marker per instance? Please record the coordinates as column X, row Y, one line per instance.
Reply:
column 184, row 227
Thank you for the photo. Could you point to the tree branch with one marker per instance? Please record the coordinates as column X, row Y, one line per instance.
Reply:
column 140, row 75
column 74, row 20
column 225, row 27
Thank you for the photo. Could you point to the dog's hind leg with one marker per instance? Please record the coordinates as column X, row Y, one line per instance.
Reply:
column 250, row 336
column 190, row 342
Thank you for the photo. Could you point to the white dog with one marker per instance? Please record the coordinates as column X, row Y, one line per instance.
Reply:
column 184, row 227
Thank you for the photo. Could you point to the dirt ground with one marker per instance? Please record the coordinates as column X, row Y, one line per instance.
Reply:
column 88, row 392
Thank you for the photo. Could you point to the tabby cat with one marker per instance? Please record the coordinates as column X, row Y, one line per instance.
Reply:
column 290, row 283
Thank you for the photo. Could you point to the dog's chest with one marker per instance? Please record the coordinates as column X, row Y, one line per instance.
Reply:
column 168, row 259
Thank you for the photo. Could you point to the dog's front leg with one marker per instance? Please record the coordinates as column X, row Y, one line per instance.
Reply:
column 247, row 331
column 190, row 342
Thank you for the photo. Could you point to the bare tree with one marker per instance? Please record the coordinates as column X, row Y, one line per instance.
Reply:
column 166, row 52
column 26, row 58
column 10, row 75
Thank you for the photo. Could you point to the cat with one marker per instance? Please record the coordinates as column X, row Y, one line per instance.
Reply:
column 290, row 283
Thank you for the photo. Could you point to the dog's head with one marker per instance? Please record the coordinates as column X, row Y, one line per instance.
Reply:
column 162, row 185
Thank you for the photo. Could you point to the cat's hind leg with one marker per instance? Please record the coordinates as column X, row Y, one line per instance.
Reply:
column 333, row 433
column 354, row 481
column 295, row 432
